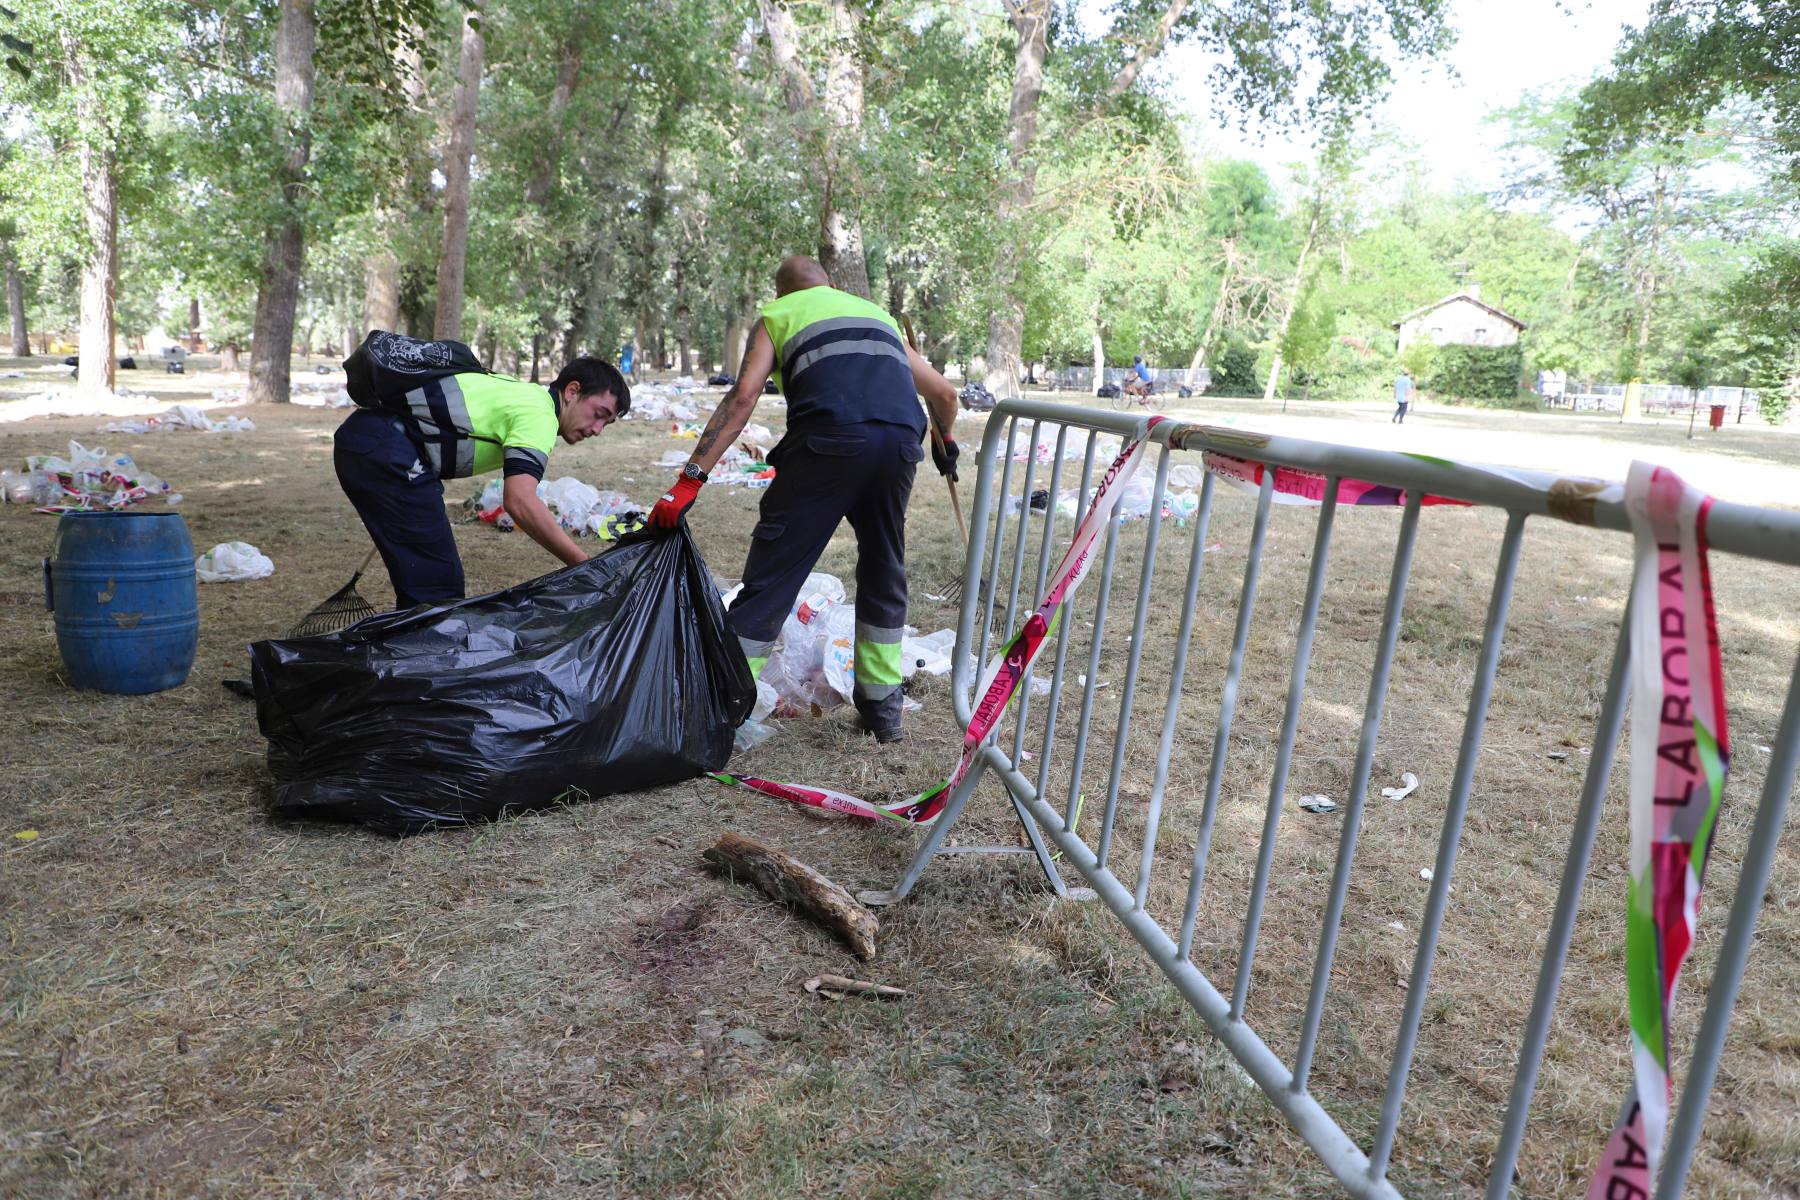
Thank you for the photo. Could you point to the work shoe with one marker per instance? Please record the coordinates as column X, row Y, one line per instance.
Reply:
column 885, row 734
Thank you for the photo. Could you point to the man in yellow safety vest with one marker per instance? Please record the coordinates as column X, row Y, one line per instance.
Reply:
column 853, row 442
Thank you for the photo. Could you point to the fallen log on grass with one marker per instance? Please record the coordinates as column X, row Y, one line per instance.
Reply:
column 794, row 883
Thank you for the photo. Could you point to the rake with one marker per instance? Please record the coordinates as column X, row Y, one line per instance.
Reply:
column 340, row 610
column 952, row 591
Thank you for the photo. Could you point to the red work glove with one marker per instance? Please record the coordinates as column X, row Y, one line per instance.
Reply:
column 674, row 505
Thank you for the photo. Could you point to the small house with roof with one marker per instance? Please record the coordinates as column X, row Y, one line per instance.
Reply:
column 1460, row 320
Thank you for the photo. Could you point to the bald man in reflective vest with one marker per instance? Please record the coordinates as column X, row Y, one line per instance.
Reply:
column 853, row 442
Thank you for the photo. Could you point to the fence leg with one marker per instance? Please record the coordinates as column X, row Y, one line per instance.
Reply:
column 939, row 830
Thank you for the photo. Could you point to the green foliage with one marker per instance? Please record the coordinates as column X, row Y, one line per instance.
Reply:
column 1775, row 386
column 1235, row 374
column 1477, row 372
column 640, row 177
column 1420, row 357
column 1310, row 336
column 1689, row 61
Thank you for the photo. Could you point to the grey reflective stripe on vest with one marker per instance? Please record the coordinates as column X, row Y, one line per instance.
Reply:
column 828, row 325
column 431, row 433
column 832, row 349
column 795, row 364
column 528, row 456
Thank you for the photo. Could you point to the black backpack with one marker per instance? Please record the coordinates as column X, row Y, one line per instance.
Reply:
column 388, row 365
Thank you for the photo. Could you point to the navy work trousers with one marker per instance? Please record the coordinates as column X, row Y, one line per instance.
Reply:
column 823, row 475
column 401, row 501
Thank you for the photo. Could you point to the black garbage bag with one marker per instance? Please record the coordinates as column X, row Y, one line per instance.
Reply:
column 975, row 397
column 611, row 676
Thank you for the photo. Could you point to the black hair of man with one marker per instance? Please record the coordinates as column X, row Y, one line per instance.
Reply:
column 595, row 375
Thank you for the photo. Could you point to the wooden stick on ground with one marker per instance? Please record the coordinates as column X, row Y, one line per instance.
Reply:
column 843, row 985
column 793, row 882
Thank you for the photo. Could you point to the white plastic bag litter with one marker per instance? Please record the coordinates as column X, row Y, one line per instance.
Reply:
column 796, row 668
column 837, row 652
column 230, row 562
column 930, row 653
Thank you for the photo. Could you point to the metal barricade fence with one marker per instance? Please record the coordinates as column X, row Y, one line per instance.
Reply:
column 995, row 600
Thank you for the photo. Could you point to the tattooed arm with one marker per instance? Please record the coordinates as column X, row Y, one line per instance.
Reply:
column 733, row 413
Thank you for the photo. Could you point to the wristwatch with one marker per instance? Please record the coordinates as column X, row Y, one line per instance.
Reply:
column 693, row 471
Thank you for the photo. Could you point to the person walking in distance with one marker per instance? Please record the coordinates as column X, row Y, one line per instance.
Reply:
column 1403, row 390
column 852, row 445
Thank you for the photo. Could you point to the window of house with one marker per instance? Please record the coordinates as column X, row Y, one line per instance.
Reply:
column 1480, row 335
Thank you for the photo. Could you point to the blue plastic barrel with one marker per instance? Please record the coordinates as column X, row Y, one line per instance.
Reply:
column 122, row 588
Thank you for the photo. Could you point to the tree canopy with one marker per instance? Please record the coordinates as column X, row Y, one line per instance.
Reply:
column 997, row 170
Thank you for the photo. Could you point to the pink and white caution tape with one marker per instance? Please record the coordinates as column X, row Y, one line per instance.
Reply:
column 1003, row 676
column 922, row 809
column 1294, row 486
column 1680, row 756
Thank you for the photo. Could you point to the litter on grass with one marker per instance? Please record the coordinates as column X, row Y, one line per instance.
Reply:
column 580, row 508
column 812, row 666
column 181, row 416
column 231, row 562
column 86, row 481
column 1408, row 784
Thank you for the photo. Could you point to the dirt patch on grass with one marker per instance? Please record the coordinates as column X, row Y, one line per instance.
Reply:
column 197, row 1000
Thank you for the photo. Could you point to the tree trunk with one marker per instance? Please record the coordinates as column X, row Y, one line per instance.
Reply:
column 646, row 334
column 15, row 308
column 841, row 240
column 454, row 259
column 381, row 290
column 194, row 325
column 228, row 357
column 1031, row 19
column 1293, row 296
column 830, row 159
column 381, row 269
column 1099, row 347
column 100, row 214
column 537, row 341
column 1212, row 326
column 272, row 335
column 1006, row 325
column 568, row 74
column 729, row 357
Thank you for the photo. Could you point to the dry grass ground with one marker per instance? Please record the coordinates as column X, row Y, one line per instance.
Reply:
column 198, row 1001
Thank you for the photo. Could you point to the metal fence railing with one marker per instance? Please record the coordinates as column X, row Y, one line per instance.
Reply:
column 1027, row 440
column 1081, row 379
column 1661, row 398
